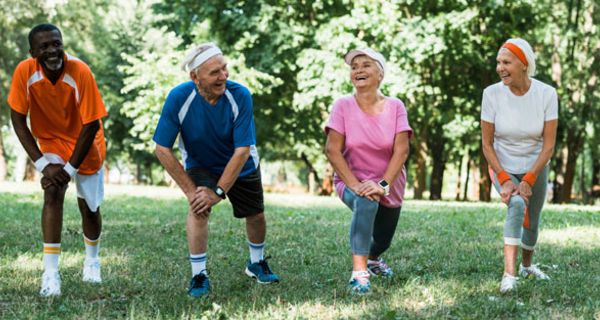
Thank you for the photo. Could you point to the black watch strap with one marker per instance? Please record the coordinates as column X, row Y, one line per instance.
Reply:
column 220, row 192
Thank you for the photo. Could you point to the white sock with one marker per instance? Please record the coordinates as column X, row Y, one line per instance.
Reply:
column 360, row 274
column 51, row 255
column 256, row 251
column 198, row 262
column 92, row 247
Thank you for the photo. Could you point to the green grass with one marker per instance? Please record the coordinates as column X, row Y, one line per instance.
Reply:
column 447, row 257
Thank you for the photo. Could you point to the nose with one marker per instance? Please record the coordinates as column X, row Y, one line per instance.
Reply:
column 223, row 75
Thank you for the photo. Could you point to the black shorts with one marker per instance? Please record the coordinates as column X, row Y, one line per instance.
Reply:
column 246, row 195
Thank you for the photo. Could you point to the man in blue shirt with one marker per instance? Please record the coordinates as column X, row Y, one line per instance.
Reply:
column 214, row 121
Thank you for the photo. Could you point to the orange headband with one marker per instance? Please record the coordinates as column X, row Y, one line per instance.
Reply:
column 517, row 51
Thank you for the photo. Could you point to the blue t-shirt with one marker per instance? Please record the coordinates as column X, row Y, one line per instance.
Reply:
column 209, row 134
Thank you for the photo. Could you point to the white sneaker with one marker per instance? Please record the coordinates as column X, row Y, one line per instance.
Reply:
column 508, row 283
column 50, row 283
column 532, row 270
column 91, row 270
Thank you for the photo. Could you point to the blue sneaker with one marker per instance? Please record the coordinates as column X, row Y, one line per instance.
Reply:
column 199, row 286
column 360, row 284
column 261, row 272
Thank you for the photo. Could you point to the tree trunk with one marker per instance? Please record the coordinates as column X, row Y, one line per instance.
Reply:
column 421, row 168
column 595, row 159
column 327, row 185
column 3, row 167
column 574, row 143
column 437, row 172
column 313, row 177
column 466, row 188
column 485, row 183
column 458, row 181
column 559, row 175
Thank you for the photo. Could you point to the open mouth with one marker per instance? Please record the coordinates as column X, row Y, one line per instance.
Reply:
column 360, row 78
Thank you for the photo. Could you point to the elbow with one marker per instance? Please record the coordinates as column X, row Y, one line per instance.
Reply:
column 243, row 153
column 159, row 151
column 93, row 126
column 329, row 152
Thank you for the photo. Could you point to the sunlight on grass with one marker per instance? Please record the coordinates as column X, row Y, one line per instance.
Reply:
column 145, row 266
column 303, row 201
column 33, row 262
column 581, row 236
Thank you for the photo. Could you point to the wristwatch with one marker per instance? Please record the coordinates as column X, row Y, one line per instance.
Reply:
column 220, row 192
column 386, row 187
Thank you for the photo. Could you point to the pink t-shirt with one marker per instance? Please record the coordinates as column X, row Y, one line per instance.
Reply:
column 369, row 142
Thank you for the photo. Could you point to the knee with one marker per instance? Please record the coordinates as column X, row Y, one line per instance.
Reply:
column 257, row 218
column 54, row 196
column 363, row 204
column 517, row 203
column 197, row 219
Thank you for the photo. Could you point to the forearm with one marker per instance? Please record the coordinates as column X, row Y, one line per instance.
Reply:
column 24, row 135
column 542, row 160
column 233, row 168
column 175, row 170
column 492, row 159
column 84, row 142
column 399, row 156
column 340, row 166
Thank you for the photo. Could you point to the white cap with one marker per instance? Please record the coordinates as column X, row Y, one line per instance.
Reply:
column 369, row 53
column 527, row 51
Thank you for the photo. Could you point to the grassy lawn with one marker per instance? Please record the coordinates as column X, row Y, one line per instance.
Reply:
column 447, row 257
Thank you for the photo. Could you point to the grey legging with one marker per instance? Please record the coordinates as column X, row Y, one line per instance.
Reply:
column 373, row 225
column 514, row 232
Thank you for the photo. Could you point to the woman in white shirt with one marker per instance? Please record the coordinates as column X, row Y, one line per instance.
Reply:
column 519, row 116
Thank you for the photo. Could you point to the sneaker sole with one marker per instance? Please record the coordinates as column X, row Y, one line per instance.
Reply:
column 252, row 275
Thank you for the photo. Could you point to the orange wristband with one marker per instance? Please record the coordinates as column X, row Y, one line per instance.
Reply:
column 503, row 177
column 530, row 178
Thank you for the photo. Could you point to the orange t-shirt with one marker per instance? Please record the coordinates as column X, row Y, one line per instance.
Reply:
column 58, row 112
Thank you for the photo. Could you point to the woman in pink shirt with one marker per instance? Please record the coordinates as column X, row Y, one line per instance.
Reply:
column 367, row 144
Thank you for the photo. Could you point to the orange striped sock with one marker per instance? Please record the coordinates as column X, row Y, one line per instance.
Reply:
column 91, row 247
column 51, row 255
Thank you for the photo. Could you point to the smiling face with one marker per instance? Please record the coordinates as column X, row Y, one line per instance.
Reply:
column 365, row 73
column 210, row 77
column 47, row 48
column 510, row 69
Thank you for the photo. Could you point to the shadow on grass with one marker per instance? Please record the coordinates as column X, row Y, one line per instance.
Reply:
column 448, row 263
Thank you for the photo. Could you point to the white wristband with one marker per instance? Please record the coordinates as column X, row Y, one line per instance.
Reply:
column 41, row 163
column 69, row 169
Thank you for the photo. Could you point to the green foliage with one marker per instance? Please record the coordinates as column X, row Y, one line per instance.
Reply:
column 440, row 56
column 146, row 270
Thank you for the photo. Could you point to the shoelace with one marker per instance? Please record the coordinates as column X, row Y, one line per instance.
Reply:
column 264, row 266
column 198, row 280
column 383, row 265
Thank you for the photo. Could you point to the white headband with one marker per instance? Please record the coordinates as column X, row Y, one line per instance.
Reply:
column 201, row 58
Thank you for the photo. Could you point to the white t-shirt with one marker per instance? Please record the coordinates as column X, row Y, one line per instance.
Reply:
column 519, row 122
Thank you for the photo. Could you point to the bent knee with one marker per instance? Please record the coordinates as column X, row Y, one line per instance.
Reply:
column 517, row 202
column 363, row 203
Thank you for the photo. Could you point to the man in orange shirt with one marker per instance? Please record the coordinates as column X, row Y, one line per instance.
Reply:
column 61, row 97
